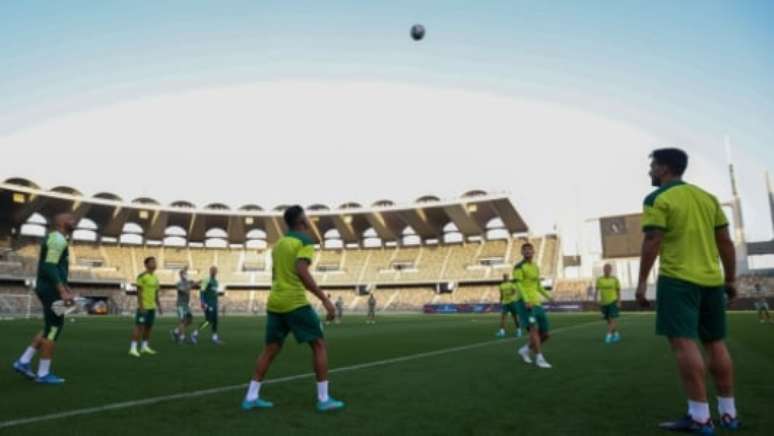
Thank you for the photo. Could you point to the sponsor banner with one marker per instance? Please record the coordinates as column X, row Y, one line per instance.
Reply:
column 462, row 308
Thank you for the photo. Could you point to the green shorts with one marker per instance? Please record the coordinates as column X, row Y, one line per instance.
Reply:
column 52, row 323
column 687, row 310
column 535, row 317
column 610, row 311
column 145, row 318
column 211, row 314
column 511, row 308
column 303, row 322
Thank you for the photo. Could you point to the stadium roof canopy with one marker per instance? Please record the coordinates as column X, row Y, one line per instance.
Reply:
column 470, row 214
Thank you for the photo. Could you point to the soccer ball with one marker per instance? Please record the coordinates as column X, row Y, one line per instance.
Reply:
column 417, row 32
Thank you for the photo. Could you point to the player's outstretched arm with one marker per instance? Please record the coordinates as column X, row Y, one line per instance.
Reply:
column 728, row 258
column 302, row 269
column 651, row 245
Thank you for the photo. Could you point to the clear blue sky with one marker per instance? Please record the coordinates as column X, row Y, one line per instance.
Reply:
column 690, row 71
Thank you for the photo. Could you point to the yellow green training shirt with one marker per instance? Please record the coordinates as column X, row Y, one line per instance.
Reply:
column 148, row 285
column 287, row 290
column 688, row 216
column 608, row 288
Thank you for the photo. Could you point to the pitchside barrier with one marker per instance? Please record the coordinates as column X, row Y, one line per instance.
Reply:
column 745, row 303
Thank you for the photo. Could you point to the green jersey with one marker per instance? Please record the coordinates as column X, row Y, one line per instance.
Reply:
column 608, row 288
column 53, row 265
column 148, row 288
column 508, row 293
column 287, row 290
column 209, row 291
column 688, row 216
column 526, row 275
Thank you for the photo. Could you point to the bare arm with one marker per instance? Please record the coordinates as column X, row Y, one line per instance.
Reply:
column 728, row 258
column 139, row 298
column 302, row 269
column 158, row 302
column 651, row 246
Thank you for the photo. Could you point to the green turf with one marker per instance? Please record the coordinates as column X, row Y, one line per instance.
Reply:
column 594, row 388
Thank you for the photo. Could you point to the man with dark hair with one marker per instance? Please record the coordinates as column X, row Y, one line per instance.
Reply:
column 526, row 276
column 50, row 286
column 687, row 228
column 608, row 290
column 147, row 304
column 208, row 296
column 288, row 310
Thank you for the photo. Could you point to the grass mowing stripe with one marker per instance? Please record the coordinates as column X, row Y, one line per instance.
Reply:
column 211, row 391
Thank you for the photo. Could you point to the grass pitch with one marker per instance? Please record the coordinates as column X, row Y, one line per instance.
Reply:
column 418, row 374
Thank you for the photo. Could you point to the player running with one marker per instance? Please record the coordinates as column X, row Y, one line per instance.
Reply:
column 510, row 300
column 371, row 318
column 51, row 285
column 687, row 228
column 184, row 315
column 526, row 276
column 339, row 309
column 608, row 290
column 288, row 310
column 208, row 294
column 147, row 304
column 761, row 305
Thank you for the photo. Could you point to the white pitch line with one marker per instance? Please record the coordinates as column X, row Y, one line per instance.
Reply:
column 203, row 392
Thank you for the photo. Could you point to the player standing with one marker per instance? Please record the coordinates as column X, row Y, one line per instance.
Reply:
column 184, row 315
column 371, row 319
column 288, row 310
column 208, row 294
column 687, row 228
column 339, row 309
column 51, row 285
column 509, row 300
column 526, row 276
column 608, row 290
column 147, row 304
column 761, row 305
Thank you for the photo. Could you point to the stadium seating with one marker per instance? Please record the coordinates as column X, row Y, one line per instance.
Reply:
column 428, row 264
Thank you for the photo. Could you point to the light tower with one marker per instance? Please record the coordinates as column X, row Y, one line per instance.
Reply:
column 771, row 202
column 740, row 241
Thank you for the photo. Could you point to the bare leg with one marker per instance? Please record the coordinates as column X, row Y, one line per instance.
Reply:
column 264, row 360
column 691, row 366
column 136, row 333
column 46, row 348
column 146, row 333
column 320, row 359
column 534, row 340
column 721, row 367
column 502, row 320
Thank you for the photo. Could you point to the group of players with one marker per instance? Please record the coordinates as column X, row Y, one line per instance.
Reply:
column 683, row 225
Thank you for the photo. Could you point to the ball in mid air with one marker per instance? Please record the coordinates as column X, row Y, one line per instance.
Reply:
column 417, row 32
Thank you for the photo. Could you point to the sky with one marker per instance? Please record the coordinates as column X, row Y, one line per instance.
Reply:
column 556, row 103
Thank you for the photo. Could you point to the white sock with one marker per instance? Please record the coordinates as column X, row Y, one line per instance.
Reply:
column 502, row 330
column 609, row 335
column 524, row 349
column 322, row 390
column 195, row 333
column 182, row 336
column 253, row 390
column 540, row 356
column 27, row 356
column 727, row 406
column 215, row 337
column 177, row 330
column 144, row 344
column 134, row 346
column 44, row 366
column 699, row 411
